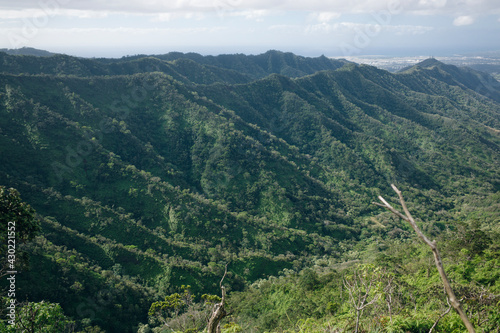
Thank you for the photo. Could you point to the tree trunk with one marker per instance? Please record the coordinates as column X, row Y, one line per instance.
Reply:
column 218, row 313
column 358, row 314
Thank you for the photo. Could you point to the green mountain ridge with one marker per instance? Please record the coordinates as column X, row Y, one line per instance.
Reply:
column 29, row 51
column 477, row 81
column 158, row 170
column 191, row 67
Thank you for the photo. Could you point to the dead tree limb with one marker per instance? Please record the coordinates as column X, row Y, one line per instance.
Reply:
column 441, row 316
column 359, row 293
column 437, row 257
column 218, row 311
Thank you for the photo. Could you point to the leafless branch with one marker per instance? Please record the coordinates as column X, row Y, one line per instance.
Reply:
column 441, row 316
column 361, row 292
column 437, row 257
column 225, row 272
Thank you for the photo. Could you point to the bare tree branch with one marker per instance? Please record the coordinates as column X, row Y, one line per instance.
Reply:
column 224, row 276
column 362, row 292
column 441, row 316
column 437, row 257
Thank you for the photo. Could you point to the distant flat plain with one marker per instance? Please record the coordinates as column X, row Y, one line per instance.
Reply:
column 486, row 62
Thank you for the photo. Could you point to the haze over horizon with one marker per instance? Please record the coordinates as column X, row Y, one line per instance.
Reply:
column 333, row 28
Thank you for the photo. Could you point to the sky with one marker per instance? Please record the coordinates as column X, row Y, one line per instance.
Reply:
column 335, row 28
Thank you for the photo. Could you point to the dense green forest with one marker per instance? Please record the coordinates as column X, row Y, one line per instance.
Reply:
column 147, row 176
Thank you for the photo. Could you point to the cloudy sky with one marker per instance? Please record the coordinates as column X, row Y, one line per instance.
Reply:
column 114, row 28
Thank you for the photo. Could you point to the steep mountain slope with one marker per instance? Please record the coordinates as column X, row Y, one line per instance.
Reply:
column 156, row 171
column 479, row 82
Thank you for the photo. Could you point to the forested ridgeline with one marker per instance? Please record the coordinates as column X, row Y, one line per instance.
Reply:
column 149, row 174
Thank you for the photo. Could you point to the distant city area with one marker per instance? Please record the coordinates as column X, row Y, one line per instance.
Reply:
column 489, row 62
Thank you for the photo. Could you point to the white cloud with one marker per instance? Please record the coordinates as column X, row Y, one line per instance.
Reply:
column 287, row 22
column 11, row 14
column 287, row 28
column 349, row 28
column 322, row 28
column 430, row 7
column 324, row 11
column 73, row 34
column 463, row 20
column 193, row 16
column 163, row 17
column 255, row 15
column 335, row 6
column 32, row 13
column 432, row 3
column 413, row 30
column 323, row 17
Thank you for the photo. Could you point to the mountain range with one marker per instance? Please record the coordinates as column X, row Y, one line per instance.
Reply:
column 152, row 172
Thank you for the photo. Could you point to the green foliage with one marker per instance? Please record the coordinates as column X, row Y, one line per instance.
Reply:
column 17, row 219
column 181, row 312
column 409, row 296
column 210, row 299
column 39, row 317
column 402, row 324
column 149, row 173
column 469, row 238
column 171, row 305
